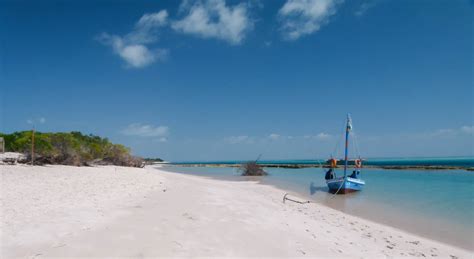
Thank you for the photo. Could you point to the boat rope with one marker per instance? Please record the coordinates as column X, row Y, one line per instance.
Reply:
column 334, row 194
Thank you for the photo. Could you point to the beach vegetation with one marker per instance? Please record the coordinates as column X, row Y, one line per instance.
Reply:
column 252, row 168
column 70, row 148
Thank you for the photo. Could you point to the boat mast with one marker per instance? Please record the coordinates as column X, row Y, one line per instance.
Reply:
column 348, row 128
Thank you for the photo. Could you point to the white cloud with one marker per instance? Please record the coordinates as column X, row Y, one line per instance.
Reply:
column 143, row 130
column 40, row 120
column 323, row 135
column 303, row 17
column 132, row 47
column 215, row 19
column 162, row 139
column 468, row 129
column 365, row 6
column 150, row 20
column 319, row 136
column 239, row 139
column 274, row 136
column 442, row 132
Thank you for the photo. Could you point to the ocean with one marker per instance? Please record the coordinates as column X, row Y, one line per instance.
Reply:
column 438, row 204
column 400, row 161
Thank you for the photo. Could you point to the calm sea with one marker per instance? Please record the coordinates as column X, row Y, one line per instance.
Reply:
column 437, row 204
column 399, row 161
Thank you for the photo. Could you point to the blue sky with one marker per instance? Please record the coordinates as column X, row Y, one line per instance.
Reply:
column 215, row 79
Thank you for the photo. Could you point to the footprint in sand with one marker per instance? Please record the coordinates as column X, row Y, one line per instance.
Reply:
column 179, row 244
column 58, row 245
column 302, row 252
column 186, row 215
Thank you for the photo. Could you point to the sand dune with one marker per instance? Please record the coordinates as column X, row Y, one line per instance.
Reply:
column 115, row 211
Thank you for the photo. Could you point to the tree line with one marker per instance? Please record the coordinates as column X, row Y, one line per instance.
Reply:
column 70, row 148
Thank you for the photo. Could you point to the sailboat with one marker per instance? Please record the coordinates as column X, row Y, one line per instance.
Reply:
column 346, row 183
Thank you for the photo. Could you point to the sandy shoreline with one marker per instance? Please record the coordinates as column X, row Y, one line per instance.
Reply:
column 115, row 211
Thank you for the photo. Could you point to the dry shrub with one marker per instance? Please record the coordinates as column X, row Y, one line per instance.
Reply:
column 252, row 169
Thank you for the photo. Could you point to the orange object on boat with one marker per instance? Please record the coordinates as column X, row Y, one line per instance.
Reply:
column 333, row 162
column 358, row 163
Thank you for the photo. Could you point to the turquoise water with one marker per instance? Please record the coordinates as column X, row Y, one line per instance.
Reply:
column 436, row 204
column 400, row 161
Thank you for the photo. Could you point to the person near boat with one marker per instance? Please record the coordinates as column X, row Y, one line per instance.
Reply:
column 329, row 174
column 356, row 172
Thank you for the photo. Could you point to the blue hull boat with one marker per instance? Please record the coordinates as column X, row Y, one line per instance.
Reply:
column 341, row 186
column 346, row 183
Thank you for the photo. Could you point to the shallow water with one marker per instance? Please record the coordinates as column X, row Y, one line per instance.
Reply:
column 464, row 161
column 436, row 204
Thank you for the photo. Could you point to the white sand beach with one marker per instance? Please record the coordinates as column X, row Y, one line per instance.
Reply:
column 64, row 211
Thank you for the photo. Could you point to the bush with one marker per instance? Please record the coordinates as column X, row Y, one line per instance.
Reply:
column 72, row 148
column 252, row 169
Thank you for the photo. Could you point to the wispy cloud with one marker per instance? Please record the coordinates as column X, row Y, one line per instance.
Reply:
column 467, row 129
column 239, row 140
column 274, row 136
column 215, row 19
column 303, row 17
column 323, row 135
column 40, row 120
column 162, row 139
column 143, row 130
column 451, row 132
column 319, row 136
column 365, row 6
column 430, row 135
column 245, row 139
column 132, row 48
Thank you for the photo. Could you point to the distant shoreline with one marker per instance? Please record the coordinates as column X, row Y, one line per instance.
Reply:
column 299, row 166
